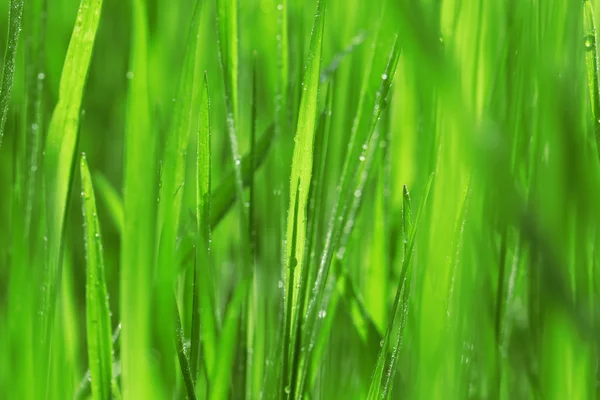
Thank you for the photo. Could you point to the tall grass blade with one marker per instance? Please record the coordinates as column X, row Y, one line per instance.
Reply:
column 184, row 120
column 139, row 205
column 60, row 148
column 381, row 385
column 302, row 164
column 100, row 351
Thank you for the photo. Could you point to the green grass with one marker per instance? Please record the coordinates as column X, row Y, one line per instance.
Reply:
column 299, row 199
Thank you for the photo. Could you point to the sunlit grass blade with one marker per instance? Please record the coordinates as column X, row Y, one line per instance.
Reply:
column 100, row 352
column 15, row 14
column 139, row 205
column 60, row 147
column 302, row 164
column 203, row 317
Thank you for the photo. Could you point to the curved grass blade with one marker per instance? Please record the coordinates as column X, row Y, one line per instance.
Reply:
column 302, row 164
column 60, row 148
column 15, row 14
column 591, row 60
column 100, row 351
column 139, row 205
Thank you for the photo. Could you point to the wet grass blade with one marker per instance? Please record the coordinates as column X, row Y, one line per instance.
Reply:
column 61, row 144
column 100, row 351
column 15, row 14
column 302, row 164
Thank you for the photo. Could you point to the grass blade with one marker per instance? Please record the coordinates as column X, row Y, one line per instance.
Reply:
column 100, row 351
column 184, row 120
column 139, row 205
column 302, row 164
column 15, row 13
column 203, row 319
column 402, row 293
column 60, row 146
column 591, row 60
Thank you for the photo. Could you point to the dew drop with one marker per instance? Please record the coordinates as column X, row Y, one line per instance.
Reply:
column 41, row 76
column 322, row 314
column 280, row 7
column 384, row 77
column 589, row 42
column 361, row 158
column 129, row 75
column 237, row 162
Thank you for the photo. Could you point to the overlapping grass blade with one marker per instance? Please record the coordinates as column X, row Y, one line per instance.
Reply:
column 100, row 351
column 302, row 164
column 15, row 14
column 60, row 148
column 364, row 127
column 222, row 198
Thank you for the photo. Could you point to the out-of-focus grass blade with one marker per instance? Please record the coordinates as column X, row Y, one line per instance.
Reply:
column 100, row 352
column 60, row 146
column 139, row 205
column 381, row 385
column 302, row 164
column 591, row 60
column 15, row 13
column 203, row 317
column 112, row 199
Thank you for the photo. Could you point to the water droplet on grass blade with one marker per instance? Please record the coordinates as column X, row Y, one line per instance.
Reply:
column 589, row 42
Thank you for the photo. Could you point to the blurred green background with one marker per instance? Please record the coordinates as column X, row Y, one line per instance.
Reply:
column 493, row 101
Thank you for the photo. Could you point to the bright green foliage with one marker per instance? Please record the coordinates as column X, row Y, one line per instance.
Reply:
column 259, row 239
column 100, row 352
